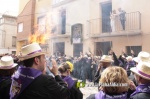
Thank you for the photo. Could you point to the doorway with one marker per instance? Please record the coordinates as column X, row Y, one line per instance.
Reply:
column 136, row 49
column 106, row 8
column 59, row 49
column 102, row 48
column 77, row 48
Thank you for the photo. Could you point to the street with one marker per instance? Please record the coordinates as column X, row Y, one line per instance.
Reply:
column 89, row 89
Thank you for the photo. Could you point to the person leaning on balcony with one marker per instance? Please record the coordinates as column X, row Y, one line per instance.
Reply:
column 114, row 84
column 113, row 20
column 30, row 82
column 122, row 17
column 7, row 68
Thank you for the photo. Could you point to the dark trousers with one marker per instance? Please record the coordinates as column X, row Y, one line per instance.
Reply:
column 123, row 24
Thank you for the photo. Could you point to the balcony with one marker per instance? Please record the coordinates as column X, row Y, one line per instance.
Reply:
column 102, row 27
column 61, row 32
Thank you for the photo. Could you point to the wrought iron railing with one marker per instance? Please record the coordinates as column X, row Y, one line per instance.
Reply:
column 103, row 25
column 59, row 29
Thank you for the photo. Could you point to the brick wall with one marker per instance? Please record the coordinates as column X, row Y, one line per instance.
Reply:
column 27, row 18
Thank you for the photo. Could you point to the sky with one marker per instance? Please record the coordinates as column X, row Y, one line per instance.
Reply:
column 9, row 7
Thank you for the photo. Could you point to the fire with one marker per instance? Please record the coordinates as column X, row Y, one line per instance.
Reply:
column 41, row 31
column 38, row 38
column 32, row 38
column 41, row 39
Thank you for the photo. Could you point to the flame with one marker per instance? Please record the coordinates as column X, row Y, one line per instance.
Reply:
column 41, row 32
column 42, row 39
column 38, row 38
column 32, row 38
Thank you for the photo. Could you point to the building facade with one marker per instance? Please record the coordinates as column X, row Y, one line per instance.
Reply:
column 98, row 34
column 25, row 22
column 70, row 28
column 104, row 37
column 8, row 27
column 31, row 18
column 76, row 26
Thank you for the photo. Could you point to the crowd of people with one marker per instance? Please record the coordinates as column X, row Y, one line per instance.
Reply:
column 117, row 83
column 34, row 75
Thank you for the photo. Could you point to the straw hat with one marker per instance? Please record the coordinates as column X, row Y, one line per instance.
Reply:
column 144, row 56
column 106, row 58
column 142, row 69
column 136, row 59
column 7, row 62
column 30, row 51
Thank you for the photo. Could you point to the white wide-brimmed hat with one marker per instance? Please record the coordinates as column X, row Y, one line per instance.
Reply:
column 144, row 56
column 106, row 58
column 142, row 69
column 6, row 62
column 30, row 51
column 136, row 59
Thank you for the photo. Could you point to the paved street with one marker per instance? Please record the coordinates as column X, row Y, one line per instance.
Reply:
column 87, row 90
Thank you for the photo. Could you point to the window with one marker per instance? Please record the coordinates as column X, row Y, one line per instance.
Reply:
column 59, row 48
column 20, row 27
column 14, row 41
column 41, row 24
column 63, row 21
column 102, row 48
column 136, row 49
column 1, row 20
column 13, row 52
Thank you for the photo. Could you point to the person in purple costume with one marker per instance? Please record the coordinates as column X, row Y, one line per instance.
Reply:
column 30, row 80
column 64, row 70
column 142, row 76
column 114, row 84
column 130, row 63
column 7, row 68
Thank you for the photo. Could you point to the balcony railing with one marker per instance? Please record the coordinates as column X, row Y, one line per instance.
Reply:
column 59, row 31
column 103, row 25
